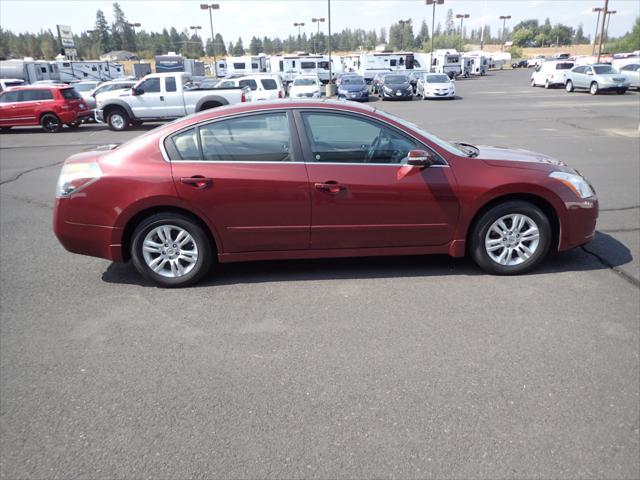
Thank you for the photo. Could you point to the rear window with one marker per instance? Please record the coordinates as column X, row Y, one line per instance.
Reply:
column 36, row 95
column 70, row 94
column 248, row 83
column 269, row 84
column 564, row 66
column 170, row 84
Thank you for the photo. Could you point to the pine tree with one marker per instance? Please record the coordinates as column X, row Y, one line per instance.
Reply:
column 102, row 30
column 449, row 23
column 238, row 50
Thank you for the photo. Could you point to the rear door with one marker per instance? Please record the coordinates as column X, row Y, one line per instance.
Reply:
column 173, row 98
column 247, row 176
column 363, row 194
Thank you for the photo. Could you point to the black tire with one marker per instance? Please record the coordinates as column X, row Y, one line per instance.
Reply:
column 484, row 223
column 118, row 120
column 622, row 91
column 5, row 129
column 568, row 86
column 206, row 251
column 594, row 89
column 51, row 123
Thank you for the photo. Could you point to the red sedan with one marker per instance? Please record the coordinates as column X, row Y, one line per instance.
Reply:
column 314, row 179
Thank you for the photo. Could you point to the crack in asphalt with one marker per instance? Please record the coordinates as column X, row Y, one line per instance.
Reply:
column 621, row 230
column 619, row 209
column 29, row 171
column 624, row 275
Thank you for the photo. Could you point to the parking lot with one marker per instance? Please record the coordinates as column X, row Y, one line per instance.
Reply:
column 406, row 367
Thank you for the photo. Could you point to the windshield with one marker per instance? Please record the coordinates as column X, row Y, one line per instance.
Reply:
column 304, row 82
column 84, row 87
column 395, row 79
column 437, row 79
column 450, row 147
column 353, row 81
column 604, row 69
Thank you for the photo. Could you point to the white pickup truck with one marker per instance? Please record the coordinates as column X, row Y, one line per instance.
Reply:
column 162, row 96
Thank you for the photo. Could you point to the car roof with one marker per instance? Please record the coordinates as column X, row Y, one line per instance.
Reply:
column 42, row 86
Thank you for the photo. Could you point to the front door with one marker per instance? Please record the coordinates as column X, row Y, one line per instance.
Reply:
column 250, row 181
column 150, row 102
column 362, row 192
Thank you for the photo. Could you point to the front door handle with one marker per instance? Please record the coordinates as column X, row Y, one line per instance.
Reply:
column 161, row 98
column 197, row 181
column 331, row 186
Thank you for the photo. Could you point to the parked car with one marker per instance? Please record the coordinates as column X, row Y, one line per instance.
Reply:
column 520, row 64
column 341, row 76
column 596, row 78
column 162, row 96
column 50, row 106
column 436, row 85
column 10, row 82
column 314, row 179
column 353, row 87
column 305, row 86
column 535, row 61
column 112, row 85
column 85, row 88
column 396, row 86
column 632, row 72
column 551, row 73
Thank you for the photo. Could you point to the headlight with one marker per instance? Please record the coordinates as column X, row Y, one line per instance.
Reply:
column 575, row 182
column 76, row 176
column 387, row 89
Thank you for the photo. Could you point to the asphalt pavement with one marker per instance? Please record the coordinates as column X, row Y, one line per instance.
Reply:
column 408, row 367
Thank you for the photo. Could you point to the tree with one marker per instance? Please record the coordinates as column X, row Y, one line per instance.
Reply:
column 449, row 23
column 255, row 46
column 628, row 43
column 238, row 50
column 423, row 35
column 523, row 37
column 579, row 37
column 102, row 30
column 230, row 48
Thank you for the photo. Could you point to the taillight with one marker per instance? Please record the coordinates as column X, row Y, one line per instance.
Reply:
column 76, row 176
column 280, row 94
column 243, row 98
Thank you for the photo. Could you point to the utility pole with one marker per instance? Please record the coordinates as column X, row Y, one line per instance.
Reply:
column 504, row 19
column 330, row 84
column 595, row 35
column 402, row 23
column 211, row 7
column 608, row 14
column 315, row 40
column 606, row 4
column 195, row 30
column 462, row 16
column 433, row 23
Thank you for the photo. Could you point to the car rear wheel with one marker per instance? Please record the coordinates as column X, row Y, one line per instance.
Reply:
column 593, row 89
column 533, row 82
column 511, row 238
column 118, row 120
column 569, row 86
column 51, row 123
column 171, row 250
column 546, row 84
column 622, row 91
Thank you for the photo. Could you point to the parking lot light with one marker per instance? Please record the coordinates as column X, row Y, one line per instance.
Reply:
column 604, row 18
column 504, row 19
column 608, row 14
column 433, row 20
column 462, row 16
column 211, row 7
column 595, row 35
column 318, row 21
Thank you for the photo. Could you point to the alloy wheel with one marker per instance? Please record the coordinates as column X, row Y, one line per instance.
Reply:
column 170, row 251
column 512, row 239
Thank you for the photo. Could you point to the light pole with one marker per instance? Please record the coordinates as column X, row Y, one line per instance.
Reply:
column 462, row 16
column 595, row 35
column 402, row 23
column 608, row 14
column 195, row 29
column 504, row 19
column 329, row 91
column 318, row 21
column 606, row 5
column 211, row 7
column 433, row 22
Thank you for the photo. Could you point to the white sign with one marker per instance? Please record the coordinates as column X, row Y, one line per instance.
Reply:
column 66, row 36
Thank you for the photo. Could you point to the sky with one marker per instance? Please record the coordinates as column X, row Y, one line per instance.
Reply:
column 247, row 18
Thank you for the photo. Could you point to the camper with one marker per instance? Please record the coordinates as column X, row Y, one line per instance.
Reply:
column 475, row 63
column 448, row 62
column 29, row 70
column 498, row 60
column 219, row 69
column 290, row 66
column 99, row 70
column 246, row 64
column 371, row 63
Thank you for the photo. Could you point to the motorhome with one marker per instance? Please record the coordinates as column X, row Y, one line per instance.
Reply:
column 72, row 71
column 29, row 70
column 448, row 62
column 246, row 64
column 371, row 63
column 475, row 63
column 219, row 68
column 290, row 66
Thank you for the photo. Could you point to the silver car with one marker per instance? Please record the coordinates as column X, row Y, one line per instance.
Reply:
column 596, row 78
column 632, row 72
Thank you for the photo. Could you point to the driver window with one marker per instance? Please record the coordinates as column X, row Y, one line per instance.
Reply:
column 151, row 85
column 348, row 139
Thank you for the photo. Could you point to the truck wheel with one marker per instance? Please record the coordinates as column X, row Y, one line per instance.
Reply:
column 210, row 105
column 118, row 120
column 51, row 123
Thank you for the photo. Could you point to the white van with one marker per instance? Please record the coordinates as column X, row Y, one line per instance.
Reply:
column 551, row 73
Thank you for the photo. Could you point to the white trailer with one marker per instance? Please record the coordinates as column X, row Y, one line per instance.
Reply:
column 219, row 69
column 371, row 63
column 448, row 62
column 475, row 63
column 499, row 59
column 290, row 66
column 246, row 64
column 99, row 70
column 28, row 70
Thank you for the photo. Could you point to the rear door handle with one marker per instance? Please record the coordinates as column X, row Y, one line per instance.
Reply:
column 197, row 181
column 331, row 186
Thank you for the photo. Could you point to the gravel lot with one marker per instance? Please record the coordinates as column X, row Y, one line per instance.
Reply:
column 407, row 367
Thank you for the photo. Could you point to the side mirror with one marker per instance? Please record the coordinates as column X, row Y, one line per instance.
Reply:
column 420, row 158
column 136, row 91
column 589, row 72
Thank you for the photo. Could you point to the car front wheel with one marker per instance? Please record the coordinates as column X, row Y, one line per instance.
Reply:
column 569, row 86
column 593, row 90
column 511, row 238
column 171, row 250
column 118, row 120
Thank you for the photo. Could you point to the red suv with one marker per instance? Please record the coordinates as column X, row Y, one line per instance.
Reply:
column 50, row 106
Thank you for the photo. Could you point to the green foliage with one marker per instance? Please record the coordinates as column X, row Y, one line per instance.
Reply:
column 628, row 43
column 529, row 33
column 516, row 52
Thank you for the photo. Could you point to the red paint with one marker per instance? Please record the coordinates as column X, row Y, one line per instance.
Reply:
column 258, row 211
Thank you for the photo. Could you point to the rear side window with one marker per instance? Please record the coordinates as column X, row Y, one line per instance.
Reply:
column 252, row 138
column 248, row 83
column 170, row 84
column 269, row 84
column 36, row 95
column 9, row 97
column 186, row 145
column 564, row 66
column 70, row 94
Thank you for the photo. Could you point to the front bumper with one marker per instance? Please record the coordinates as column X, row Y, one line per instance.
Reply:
column 579, row 225
column 613, row 86
column 354, row 95
column 98, row 115
column 397, row 95
column 433, row 94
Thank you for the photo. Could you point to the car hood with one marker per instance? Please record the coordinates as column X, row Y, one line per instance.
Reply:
column 397, row 86
column 353, row 87
column 518, row 158
column 438, row 85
